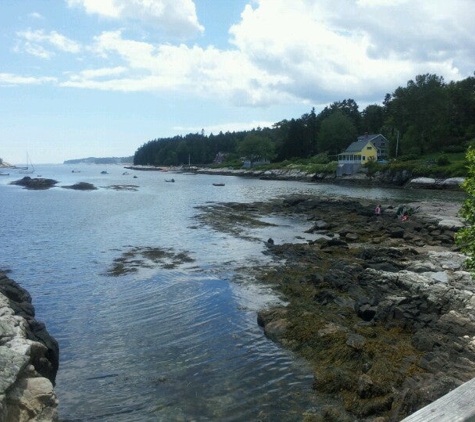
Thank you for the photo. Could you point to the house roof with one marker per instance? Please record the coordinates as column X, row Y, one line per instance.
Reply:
column 370, row 137
column 357, row 146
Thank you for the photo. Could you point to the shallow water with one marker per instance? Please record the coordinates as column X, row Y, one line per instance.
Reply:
column 158, row 344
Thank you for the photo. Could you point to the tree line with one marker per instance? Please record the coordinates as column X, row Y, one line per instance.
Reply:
column 427, row 115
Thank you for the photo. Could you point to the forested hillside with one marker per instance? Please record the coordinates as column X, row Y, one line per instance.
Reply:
column 427, row 115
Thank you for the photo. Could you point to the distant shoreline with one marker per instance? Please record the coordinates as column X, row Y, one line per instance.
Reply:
column 382, row 180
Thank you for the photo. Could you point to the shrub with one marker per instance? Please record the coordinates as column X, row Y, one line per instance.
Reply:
column 443, row 160
column 321, row 158
column 408, row 157
column 454, row 148
column 373, row 166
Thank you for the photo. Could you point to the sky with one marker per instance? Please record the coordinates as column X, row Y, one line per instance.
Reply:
column 99, row 78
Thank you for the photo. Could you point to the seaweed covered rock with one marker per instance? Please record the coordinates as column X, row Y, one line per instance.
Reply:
column 81, row 186
column 383, row 308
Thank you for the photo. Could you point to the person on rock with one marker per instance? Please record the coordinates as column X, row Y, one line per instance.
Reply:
column 377, row 210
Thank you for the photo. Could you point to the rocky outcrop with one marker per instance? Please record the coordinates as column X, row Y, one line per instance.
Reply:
column 81, row 186
column 382, row 308
column 37, row 183
column 29, row 359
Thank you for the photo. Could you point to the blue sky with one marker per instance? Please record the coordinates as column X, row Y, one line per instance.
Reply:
column 82, row 78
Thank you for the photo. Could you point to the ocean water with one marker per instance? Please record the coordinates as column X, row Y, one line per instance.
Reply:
column 167, row 342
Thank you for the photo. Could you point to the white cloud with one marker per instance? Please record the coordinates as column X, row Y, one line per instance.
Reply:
column 206, row 72
column 377, row 3
column 8, row 79
column 35, row 15
column 281, row 52
column 106, row 8
column 37, row 43
column 103, row 72
column 336, row 48
column 175, row 17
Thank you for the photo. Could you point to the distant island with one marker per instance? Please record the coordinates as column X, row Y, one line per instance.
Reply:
column 103, row 160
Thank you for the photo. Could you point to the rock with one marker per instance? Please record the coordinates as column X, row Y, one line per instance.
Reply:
column 270, row 242
column 355, row 341
column 366, row 312
column 453, row 182
column 438, row 277
column 318, row 225
column 331, row 329
column 276, row 329
column 422, row 182
column 274, row 322
column 35, row 183
column 365, row 386
column 448, row 260
column 451, row 223
column 396, row 232
column 334, row 242
column 400, row 314
column 32, row 399
column 81, row 186
column 28, row 359
column 351, row 236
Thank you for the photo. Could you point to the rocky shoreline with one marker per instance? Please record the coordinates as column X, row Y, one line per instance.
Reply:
column 388, row 178
column 29, row 359
column 382, row 309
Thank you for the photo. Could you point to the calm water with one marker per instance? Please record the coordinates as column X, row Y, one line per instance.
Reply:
column 178, row 344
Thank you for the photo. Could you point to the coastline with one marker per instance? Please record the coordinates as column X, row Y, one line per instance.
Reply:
column 344, row 226
column 382, row 309
column 394, row 180
column 29, row 359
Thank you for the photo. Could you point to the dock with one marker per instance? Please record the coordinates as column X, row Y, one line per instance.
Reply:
column 456, row 406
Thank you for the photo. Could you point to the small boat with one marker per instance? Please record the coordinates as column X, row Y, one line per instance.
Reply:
column 4, row 174
column 104, row 172
column 170, row 180
column 218, row 184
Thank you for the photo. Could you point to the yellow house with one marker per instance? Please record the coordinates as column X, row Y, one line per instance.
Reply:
column 357, row 154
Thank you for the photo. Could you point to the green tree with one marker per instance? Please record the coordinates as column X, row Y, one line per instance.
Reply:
column 336, row 133
column 255, row 146
column 420, row 111
column 466, row 236
column 372, row 119
column 462, row 109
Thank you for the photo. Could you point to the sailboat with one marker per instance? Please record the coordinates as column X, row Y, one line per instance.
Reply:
column 29, row 169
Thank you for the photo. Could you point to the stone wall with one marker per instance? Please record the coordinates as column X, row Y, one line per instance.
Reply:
column 29, row 359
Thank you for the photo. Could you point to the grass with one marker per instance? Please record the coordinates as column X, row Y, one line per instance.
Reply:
column 431, row 165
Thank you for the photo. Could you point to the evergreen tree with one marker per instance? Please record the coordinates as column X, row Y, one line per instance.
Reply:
column 336, row 133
